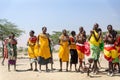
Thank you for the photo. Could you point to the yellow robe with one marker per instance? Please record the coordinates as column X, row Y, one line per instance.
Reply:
column 64, row 50
column 81, row 55
column 93, row 41
column 36, row 49
column 31, row 49
column 44, row 50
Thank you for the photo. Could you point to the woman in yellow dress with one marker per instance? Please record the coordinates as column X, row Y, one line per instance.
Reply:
column 32, row 50
column 64, row 49
column 44, row 54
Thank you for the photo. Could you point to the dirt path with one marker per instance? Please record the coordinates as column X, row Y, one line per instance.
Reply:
column 23, row 74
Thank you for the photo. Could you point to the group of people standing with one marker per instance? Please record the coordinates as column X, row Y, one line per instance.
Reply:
column 39, row 49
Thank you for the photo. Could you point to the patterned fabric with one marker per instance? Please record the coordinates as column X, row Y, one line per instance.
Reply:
column 95, row 51
column 80, row 50
column 110, row 52
column 12, row 51
column 87, row 48
column 102, row 46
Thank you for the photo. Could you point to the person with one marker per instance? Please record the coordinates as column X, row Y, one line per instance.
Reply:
column 110, row 52
column 5, row 55
column 12, row 51
column 116, row 62
column 81, row 39
column 31, row 50
column 44, row 54
column 64, row 49
column 116, row 65
column 94, row 40
column 73, row 51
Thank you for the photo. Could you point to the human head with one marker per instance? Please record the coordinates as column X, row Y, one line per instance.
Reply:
column 99, row 30
column 44, row 29
column 64, row 32
column 73, row 33
column 12, row 35
column 31, row 33
column 109, row 28
column 9, row 36
column 84, row 33
column 96, row 26
column 81, row 29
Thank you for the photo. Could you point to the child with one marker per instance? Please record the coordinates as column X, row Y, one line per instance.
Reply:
column 31, row 50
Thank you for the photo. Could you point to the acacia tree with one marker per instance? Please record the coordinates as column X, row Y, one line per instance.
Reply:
column 55, row 36
column 7, row 28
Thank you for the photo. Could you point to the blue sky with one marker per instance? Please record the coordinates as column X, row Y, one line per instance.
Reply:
column 60, row 14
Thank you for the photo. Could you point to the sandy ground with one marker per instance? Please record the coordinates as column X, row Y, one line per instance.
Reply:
column 23, row 74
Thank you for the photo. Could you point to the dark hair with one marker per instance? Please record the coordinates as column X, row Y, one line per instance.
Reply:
column 73, row 32
column 81, row 27
column 32, row 31
column 44, row 28
column 12, row 34
column 99, row 29
column 96, row 24
column 64, row 30
column 109, row 26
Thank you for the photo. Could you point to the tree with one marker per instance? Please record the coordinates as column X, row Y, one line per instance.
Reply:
column 7, row 28
column 55, row 36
